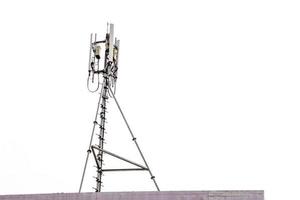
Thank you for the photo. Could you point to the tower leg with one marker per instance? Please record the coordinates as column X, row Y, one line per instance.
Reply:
column 134, row 139
column 91, row 140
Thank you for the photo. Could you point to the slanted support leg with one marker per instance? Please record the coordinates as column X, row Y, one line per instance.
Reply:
column 134, row 139
column 91, row 140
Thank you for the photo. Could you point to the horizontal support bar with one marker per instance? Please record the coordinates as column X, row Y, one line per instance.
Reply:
column 125, row 169
column 97, row 42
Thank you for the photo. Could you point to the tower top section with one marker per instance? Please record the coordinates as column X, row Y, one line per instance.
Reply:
column 110, row 57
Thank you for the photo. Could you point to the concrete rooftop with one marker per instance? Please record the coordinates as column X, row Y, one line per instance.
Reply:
column 170, row 195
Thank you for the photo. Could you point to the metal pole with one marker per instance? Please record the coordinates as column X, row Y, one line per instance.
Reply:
column 134, row 139
column 91, row 40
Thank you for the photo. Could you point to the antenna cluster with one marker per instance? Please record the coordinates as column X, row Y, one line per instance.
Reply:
column 111, row 48
column 106, row 78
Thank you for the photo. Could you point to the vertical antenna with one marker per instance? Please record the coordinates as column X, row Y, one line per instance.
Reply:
column 111, row 42
column 91, row 40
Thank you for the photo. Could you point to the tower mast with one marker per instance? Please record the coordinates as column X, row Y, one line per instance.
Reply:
column 104, row 98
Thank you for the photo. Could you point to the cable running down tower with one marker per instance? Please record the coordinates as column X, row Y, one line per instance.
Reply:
column 107, row 90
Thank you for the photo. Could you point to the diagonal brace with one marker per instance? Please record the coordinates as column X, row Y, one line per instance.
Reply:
column 114, row 155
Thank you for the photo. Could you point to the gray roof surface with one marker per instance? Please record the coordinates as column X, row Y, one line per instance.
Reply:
column 171, row 195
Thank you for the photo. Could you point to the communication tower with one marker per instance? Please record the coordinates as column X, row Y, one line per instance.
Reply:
column 104, row 81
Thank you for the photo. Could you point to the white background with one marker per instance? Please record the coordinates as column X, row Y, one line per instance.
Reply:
column 210, row 88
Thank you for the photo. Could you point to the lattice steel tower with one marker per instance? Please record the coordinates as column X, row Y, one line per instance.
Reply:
column 107, row 90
